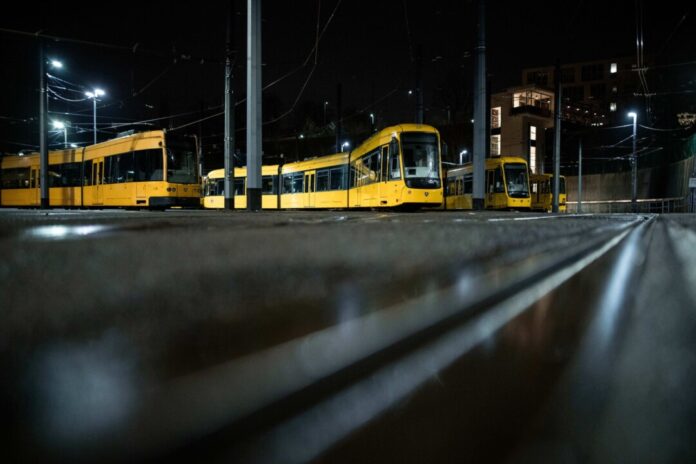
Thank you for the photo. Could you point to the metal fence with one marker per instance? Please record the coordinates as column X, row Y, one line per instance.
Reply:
column 649, row 205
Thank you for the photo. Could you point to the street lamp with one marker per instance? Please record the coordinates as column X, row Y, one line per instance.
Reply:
column 634, row 165
column 326, row 103
column 61, row 126
column 345, row 145
column 96, row 93
column 461, row 156
column 43, row 112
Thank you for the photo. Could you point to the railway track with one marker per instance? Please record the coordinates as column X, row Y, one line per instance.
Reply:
column 567, row 350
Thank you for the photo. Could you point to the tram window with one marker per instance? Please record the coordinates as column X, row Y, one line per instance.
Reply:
column 106, row 174
column 15, row 178
column 239, row 187
column 126, row 168
column 297, row 182
column 354, row 174
column 181, row 160
column 148, row 165
column 338, row 178
column 468, row 184
column 372, row 165
column 215, row 187
column 322, row 180
column 498, row 185
column 376, row 166
column 87, row 173
column 394, row 169
column 64, row 175
column 268, row 185
column 545, row 187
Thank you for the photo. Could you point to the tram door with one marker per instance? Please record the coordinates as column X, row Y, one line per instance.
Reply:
column 98, row 181
column 35, row 186
column 490, row 188
column 386, row 190
column 309, row 189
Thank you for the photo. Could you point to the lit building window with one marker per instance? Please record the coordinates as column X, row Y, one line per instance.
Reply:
column 496, row 122
column 532, row 159
column 612, row 106
column 532, row 132
column 614, row 68
column 495, row 145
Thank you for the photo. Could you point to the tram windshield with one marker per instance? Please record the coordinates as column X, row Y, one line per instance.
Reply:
column 182, row 167
column 421, row 160
column 516, row 180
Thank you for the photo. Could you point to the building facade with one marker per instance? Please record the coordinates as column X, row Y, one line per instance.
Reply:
column 594, row 93
column 520, row 117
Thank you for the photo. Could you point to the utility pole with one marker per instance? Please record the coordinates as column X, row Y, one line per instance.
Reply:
column 419, row 86
column 579, row 176
column 229, row 114
column 634, row 166
column 43, row 148
column 254, row 126
column 557, row 137
column 480, row 136
column 339, row 117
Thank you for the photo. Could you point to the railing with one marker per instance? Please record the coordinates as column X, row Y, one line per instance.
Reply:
column 648, row 205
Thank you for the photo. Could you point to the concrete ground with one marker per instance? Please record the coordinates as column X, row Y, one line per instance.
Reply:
column 103, row 308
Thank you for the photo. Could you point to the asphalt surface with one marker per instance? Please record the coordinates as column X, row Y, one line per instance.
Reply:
column 347, row 336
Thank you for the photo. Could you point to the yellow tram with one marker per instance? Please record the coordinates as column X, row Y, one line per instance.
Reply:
column 507, row 185
column 397, row 167
column 542, row 193
column 142, row 170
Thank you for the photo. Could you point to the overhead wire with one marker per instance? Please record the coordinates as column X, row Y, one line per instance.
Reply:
column 57, row 96
column 312, row 53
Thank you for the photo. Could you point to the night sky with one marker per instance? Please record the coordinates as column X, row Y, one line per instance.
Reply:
column 368, row 47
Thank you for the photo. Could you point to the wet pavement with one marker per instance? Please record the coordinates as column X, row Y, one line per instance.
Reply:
column 347, row 336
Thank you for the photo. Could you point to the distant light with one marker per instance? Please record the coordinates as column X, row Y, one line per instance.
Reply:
column 472, row 121
column 73, row 145
column 56, row 64
column 326, row 103
column 633, row 115
column 301, row 136
column 60, row 125
column 345, row 145
column 464, row 152
column 410, row 92
column 96, row 93
column 614, row 68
